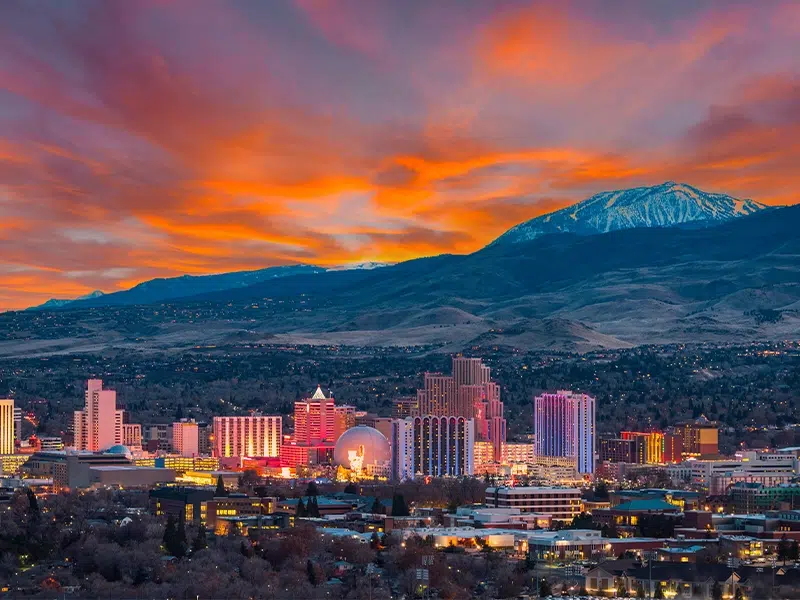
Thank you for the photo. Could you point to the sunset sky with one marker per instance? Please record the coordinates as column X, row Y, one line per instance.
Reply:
column 151, row 138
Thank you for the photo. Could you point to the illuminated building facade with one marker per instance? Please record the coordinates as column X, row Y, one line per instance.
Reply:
column 618, row 450
column 700, row 439
column 649, row 446
column 314, row 420
column 405, row 407
column 6, row 427
column 132, row 435
column 344, row 418
column 565, row 426
column 253, row 436
column 469, row 393
column 564, row 504
column 440, row 446
column 673, row 448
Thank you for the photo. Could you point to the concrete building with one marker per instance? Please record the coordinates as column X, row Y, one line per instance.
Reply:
column 50, row 443
column 402, row 443
column 157, row 437
column 519, row 453
column 565, row 426
column 7, row 426
column 618, row 450
column 344, row 418
column 716, row 476
column 405, row 407
column 751, row 498
column 253, row 436
column 99, row 424
column 564, row 504
column 186, row 438
column 205, row 439
column 649, row 449
column 18, row 424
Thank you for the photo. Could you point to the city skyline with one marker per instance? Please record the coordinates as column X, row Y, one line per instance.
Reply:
column 263, row 134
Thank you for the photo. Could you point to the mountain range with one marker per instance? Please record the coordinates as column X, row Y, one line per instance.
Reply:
column 663, row 264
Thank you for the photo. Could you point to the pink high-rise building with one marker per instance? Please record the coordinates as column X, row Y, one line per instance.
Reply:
column 186, row 438
column 252, row 436
column 468, row 393
column 99, row 425
column 315, row 420
column 565, row 427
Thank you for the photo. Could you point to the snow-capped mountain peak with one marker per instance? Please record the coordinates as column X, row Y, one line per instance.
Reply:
column 666, row 205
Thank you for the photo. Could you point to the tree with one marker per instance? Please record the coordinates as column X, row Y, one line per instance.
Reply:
column 377, row 507
column 399, row 506
column 794, row 550
column 716, row 591
column 622, row 591
column 601, row 491
column 180, row 538
column 220, row 492
column 739, row 595
column 784, row 549
column 351, row 488
column 170, row 533
column 33, row 503
column 301, row 509
column 312, row 489
column 374, row 541
column 659, row 595
column 544, row 588
column 200, row 541
column 640, row 590
column 313, row 508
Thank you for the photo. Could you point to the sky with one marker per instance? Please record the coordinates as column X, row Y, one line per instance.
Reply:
column 155, row 138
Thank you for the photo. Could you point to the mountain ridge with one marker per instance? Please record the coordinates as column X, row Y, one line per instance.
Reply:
column 668, row 204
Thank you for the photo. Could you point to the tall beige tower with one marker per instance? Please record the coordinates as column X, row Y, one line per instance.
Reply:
column 6, row 427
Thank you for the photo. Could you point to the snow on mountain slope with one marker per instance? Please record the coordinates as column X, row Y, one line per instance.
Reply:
column 665, row 205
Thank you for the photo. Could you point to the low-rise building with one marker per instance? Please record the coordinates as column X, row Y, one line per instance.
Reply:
column 564, row 504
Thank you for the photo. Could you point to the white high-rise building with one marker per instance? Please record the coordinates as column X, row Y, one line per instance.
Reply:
column 99, row 425
column 18, row 423
column 431, row 445
column 565, row 426
column 186, row 438
column 6, row 426
column 254, row 436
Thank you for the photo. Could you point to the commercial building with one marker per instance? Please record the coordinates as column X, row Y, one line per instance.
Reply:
column 186, row 438
column 649, row 448
column 157, row 437
column 468, row 393
column 751, row 498
column 6, row 426
column 564, row 504
column 716, row 476
column 99, row 424
column 182, row 464
column 70, row 469
column 519, row 453
column 11, row 464
column 205, row 439
column 565, row 426
column 300, row 455
column 18, row 424
column 344, row 418
column 438, row 446
column 50, row 443
column 314, row 421
column 673, row 448
column 253, row 436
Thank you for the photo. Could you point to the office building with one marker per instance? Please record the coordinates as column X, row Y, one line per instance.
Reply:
column 405, row 407
column 564, row 504
column 6, row 426
column 186, row 438
column 157, row 437
column 253, row 436
column 673, row 448
column 519, row 453
column 565, row 426
column 468, row 393
column 99, row 425
column 314, row 420
column 382, row 424
column 50, row 443
column 440, row 446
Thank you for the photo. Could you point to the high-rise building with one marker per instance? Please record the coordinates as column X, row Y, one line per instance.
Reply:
column 405, row 407
column 468, row 393
column 565, row 426
column 18, row 424
column 253, row 436
column 314, row 420
column 700, row 439
column 344, row 418
column 99, row 425
column 673, row 448
column 382, row 424
column 438, row 446
column 205, row 439
column 6, row 426
column 186, row 438
column 157, row 437
column 522, row 453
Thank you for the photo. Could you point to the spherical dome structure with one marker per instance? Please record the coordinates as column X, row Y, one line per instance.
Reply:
column 360, row 446
column 120, row 449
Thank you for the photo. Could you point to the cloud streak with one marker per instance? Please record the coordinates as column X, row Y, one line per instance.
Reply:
column 159, row 138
